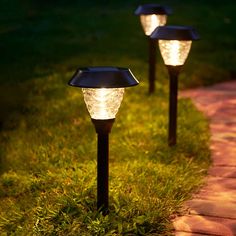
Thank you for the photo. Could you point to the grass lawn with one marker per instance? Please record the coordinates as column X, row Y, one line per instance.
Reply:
column 48, row 143
column 48, row 155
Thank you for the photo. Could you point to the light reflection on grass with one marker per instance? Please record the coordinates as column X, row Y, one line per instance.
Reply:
column 48, row 181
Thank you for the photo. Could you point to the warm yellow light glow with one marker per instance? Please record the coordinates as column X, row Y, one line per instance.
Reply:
column 174, row 52
column 150, row 22
column 103, row 103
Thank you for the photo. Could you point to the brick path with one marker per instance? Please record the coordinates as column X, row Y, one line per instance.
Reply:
column 212, row 211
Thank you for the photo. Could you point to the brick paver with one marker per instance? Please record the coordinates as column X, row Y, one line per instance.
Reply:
column 212, row 211
column 205, row 225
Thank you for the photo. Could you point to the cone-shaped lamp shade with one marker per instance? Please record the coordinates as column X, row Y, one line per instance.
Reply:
column 152, row 16
column 103, row 103
column 103, row 77
column 103, row 89
column 174, row 52
column 174, row 43
column 150, row 22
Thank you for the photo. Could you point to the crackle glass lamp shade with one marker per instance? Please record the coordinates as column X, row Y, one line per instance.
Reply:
column 103, row 89
column 152, row 16
column 103, row 103
column 174, row 43
column 174, row 52
column 150, row 22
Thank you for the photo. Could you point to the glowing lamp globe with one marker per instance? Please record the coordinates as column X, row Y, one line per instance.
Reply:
column 103, row 89
column 150, row 22
column 174, row 52
column 174, row 43
column 152, row 16
column 103, row 103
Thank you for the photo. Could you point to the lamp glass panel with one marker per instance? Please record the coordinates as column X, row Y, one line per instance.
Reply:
column 150, row 22
column 103, row 103
column 174, row 52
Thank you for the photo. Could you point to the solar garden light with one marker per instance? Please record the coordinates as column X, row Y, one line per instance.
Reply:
column 174, row 43
column 152, row 16
column 103, row 90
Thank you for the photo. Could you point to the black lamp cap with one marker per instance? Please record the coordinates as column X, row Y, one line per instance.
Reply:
column 103, row 77
column 173, row 32
column 152, row 8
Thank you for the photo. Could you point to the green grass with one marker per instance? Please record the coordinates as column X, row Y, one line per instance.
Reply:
column 48, row 143
column 48, row 155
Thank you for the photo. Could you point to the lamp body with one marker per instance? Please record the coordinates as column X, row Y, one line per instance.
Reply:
column 174, row 43
column 174, row 54
column 152, row 15
column 149, row 23
column 103, row 105
column 103, row 90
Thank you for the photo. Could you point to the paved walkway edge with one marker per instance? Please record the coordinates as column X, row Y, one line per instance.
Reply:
column 212, row 211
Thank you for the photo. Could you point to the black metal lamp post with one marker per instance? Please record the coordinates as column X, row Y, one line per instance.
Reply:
column 152, row 16
column 174, row 43
column 103, row 89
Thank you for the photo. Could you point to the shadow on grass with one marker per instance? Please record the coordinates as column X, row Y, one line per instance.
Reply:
column 12, row 100
column 12, row 110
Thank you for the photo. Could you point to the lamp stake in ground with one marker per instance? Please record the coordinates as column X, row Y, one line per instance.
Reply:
column 152, row 16
column 173, row 97
column 103, row 90
column 174, row 43
column 103, row 128
column 152, row 65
